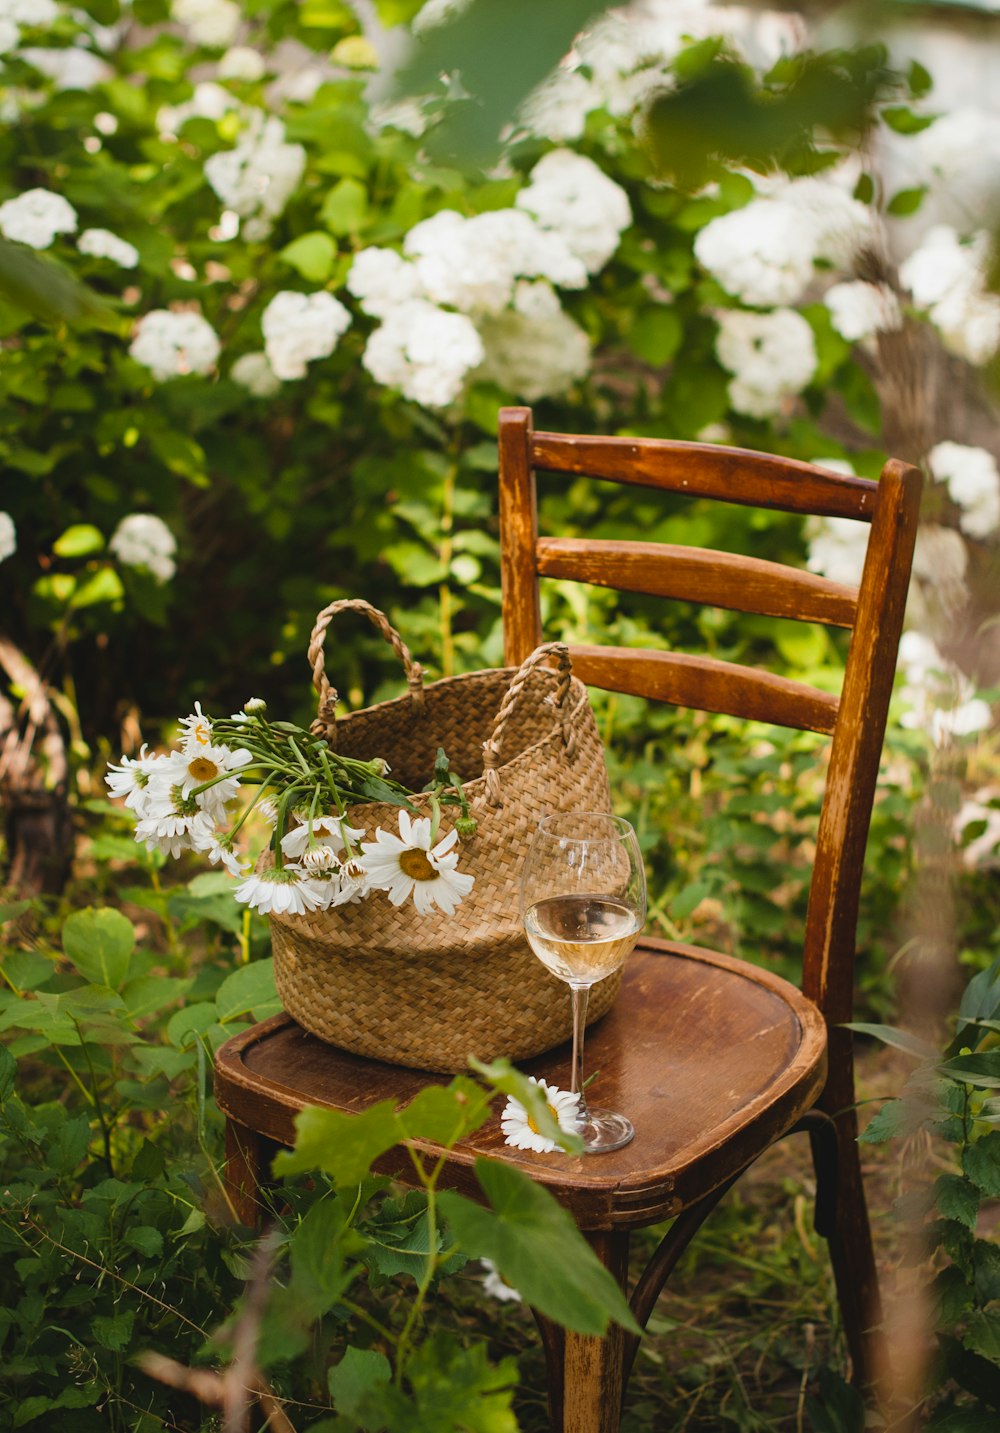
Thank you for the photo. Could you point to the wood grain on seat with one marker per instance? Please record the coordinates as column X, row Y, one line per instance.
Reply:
column 709, row 1058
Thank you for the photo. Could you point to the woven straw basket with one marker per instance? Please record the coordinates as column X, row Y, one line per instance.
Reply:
column 429, row 991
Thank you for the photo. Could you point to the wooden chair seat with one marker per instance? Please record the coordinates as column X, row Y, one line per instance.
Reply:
column 712, row 1060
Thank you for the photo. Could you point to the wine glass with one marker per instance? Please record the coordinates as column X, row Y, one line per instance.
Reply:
column 583, row 904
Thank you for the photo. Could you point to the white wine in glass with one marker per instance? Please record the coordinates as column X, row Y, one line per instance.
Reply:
column 583, row 903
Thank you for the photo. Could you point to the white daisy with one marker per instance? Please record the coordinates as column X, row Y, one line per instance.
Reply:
column 285, row 891
column 130, row 779
column 194, row 766
column 495, row 1284
column 173, row 823
column 406, row 865
column 197, row 729
column 520, row 1129
column 219, row 852
column 323, row 832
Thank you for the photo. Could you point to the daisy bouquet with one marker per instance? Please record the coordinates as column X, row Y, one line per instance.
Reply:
column 187, row 800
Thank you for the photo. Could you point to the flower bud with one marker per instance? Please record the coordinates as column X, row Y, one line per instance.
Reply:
column 380, row 767
column 255, row 706
column 466, row 826
column 320, row 858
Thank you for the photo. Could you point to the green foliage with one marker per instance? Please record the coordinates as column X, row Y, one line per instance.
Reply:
column 950, row 1095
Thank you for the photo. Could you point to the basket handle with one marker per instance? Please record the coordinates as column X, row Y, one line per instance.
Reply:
column 492, row 746
column 325, row 718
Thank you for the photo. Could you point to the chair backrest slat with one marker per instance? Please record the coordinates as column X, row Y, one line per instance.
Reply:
column 715, row 579
column 733, row 475
column 875, row 614
column 706, row 683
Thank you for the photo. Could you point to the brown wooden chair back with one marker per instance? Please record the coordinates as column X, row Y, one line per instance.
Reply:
column 874, row 613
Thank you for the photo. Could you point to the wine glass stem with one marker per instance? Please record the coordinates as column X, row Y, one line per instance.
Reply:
column 581, row 994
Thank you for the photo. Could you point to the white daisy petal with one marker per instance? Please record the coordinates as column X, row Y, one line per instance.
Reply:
column 521, row 1132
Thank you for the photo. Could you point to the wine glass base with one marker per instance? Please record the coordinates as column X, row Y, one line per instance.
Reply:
column 604, row 1130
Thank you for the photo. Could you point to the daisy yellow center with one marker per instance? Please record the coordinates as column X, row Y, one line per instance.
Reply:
column 201, row 733
column 534, row 1128
column 202, row 769
column 415, row 864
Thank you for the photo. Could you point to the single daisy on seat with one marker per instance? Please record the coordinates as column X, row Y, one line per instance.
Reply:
column 406, row 865
column 520, row 1129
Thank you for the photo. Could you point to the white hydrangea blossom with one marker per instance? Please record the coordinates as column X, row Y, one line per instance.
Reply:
column 209, row 101
column 984, row 848
column 36, row 217
column 570, row 195
column 405, row 114
column 472, row 264
column 860, row 310
column 254, row 373
column 973, row 483
column 962, row 150
column 144, row 540
column 425, row 352
column 300, row 327
column 437, row 12
column 771, row 356
column 102, row 244
column 259, row 176
column 10, row 33
column 34, row 13
column 764, row 253
column 171, row 344
column 948, row 279
column 837, row 549
column 761, row 254
column 213, row 23
column 942, row 700
column 381, row 279
column 8, row 536
column 559, row 107
column 242, row 63
column 534, row 350
column 72, row 68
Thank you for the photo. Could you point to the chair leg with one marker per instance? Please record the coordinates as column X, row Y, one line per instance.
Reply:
column 248, row 1162
column 587, row 1374
column 851, row 1251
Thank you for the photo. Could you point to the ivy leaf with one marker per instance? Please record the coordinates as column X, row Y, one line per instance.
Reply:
column 952, row 1294
column 342, row 1146
column 982, row 1334
column 445, row 1114
column 100, row 944
column 527, row 1234
column 355, row 1377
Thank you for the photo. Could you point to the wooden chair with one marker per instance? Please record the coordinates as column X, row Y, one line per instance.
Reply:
column 712, row 1058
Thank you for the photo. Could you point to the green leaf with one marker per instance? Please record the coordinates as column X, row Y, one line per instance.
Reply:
column 981, row 1071
column 104, row 585
column 458, row 1388
column 186, row 1025
column 150, row 994
column 906, row 201
column 957, row 1198
column 114, row 1332
column 502, row 1075
column 69, row 1147
column 342, row 1146
column 527, row 1235
column 919, row 80
column 8, row 1071
column 397, row 12
column 982, row 1334
column 898, row 1039
column 839, row 1407
column 903, row 120
column 445, row 1114
column 891, row 1120
column 149, row 1163
column 99, row 943
column 951, row 1294
column 656, row 336
column 981, row 1163
column 80, row 540
column 319, row 1249
column 312, row 255
column 145, row 1239
column 351, row 1380
column 345, row 208
column 249, row 989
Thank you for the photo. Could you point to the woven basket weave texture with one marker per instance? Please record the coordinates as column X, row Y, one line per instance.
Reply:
column 428, row 992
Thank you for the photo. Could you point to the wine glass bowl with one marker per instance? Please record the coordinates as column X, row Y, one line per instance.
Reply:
column 583, row 905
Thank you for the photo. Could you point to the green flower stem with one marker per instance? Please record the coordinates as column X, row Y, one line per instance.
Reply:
column 435, row 815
